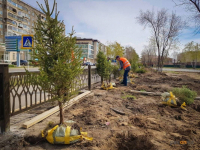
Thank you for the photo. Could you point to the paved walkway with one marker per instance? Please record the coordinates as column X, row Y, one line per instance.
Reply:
column 180, row 69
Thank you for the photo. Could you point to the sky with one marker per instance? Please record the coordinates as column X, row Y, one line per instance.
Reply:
column 115, row 20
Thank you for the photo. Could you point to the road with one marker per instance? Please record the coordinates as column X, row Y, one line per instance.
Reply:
column 33, row 69
column 180, row 69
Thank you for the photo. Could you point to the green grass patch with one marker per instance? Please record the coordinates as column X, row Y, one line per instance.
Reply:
column 129, row 97
column 185, row 95
column 11, row 66
column 140, row 70
column 142, row 90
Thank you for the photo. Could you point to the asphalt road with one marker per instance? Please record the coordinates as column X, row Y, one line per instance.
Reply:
column 33, row 69
column 180, row 69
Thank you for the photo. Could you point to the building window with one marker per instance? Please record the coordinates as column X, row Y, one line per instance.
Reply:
column 25, row 32
column 32, row 24
column 20, row 25
column 33, row 14
column 1, row 32
column 1, row 12
column 25, row 20
column 19, row 6
column 10, row 27
column 15, row 29
column 19, row 13
column 27, row 16
column 1, row 26
column 24, row 8
column 29, row 12
column 1, row 19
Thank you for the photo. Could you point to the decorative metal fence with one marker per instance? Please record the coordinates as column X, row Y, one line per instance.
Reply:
column 24, row 95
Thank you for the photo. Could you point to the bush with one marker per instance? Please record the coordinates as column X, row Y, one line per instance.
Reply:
column 134, row 67
column 116, row 72
column 140, row 70
column 184, row 95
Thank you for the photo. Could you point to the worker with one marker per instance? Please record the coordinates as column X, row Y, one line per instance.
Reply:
column 124, row 64
column 108, row 58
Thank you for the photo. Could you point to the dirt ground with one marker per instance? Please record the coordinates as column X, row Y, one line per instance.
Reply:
column 146, row 125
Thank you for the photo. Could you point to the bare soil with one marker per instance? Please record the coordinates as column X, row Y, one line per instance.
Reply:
column 146, row 125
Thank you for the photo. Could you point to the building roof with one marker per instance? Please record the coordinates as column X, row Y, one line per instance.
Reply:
column 32, row 7
column 87, row 39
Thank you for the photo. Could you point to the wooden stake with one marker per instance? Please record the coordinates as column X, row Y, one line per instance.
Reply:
column 52, row 111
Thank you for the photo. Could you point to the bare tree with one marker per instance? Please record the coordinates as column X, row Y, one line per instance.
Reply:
column 194, row 7
column 149, row 52
column 165, row 29
column 144, row 58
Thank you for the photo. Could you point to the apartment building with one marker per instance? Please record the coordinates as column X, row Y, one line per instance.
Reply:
column 90, row 48
column 16, row 18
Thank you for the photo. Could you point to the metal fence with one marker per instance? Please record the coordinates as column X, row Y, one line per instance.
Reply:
column 24, row 95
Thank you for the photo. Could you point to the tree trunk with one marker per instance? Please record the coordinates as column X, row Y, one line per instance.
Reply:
column 61, row 113
column 101, row 80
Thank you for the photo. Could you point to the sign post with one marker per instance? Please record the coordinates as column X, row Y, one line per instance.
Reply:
column 12, row 44
column 27, row 43
column 19, row 43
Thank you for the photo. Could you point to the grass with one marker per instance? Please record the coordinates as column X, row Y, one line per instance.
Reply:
column 140, row 70
column 128, row 97
column 142, row 90
column 185, row 95
column 11, row 66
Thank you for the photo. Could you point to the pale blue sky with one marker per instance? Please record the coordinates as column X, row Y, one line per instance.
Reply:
column 115, row 20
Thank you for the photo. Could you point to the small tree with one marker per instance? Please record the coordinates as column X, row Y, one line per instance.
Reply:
column 104, row 67
column 58, row 57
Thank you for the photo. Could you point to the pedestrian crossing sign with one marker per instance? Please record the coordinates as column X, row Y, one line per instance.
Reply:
column 27, row 41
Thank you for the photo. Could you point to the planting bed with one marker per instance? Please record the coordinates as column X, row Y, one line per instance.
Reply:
column 146, row 125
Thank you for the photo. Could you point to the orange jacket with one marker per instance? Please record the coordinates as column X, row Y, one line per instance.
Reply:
column 125, row 62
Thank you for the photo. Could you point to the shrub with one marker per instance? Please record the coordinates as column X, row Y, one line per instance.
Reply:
column 140, row 70
column 116, row 72
column 134, row 67
column 184, row 95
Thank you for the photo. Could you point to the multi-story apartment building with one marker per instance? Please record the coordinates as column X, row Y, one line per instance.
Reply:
column 90, row 48
column 16, row 18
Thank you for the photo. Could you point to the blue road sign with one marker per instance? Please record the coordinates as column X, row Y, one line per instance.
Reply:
column 11, row 43
column 27, row 41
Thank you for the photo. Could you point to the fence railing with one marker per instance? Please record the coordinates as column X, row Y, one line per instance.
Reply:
column 24, row 95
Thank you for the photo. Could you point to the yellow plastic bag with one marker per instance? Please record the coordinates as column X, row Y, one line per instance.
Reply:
column 183, row 106
column 107, row 87
column 169, row 99
column 65, row 135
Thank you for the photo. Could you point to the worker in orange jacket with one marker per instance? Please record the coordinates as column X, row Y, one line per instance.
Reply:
column 124, row 63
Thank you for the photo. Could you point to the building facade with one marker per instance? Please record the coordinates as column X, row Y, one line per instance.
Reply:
column 16, row 18
column 90, row 48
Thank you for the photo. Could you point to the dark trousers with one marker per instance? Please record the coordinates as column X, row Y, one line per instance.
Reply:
column 125, row 77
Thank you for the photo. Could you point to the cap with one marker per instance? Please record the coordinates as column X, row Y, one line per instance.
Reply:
column 117, row 57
